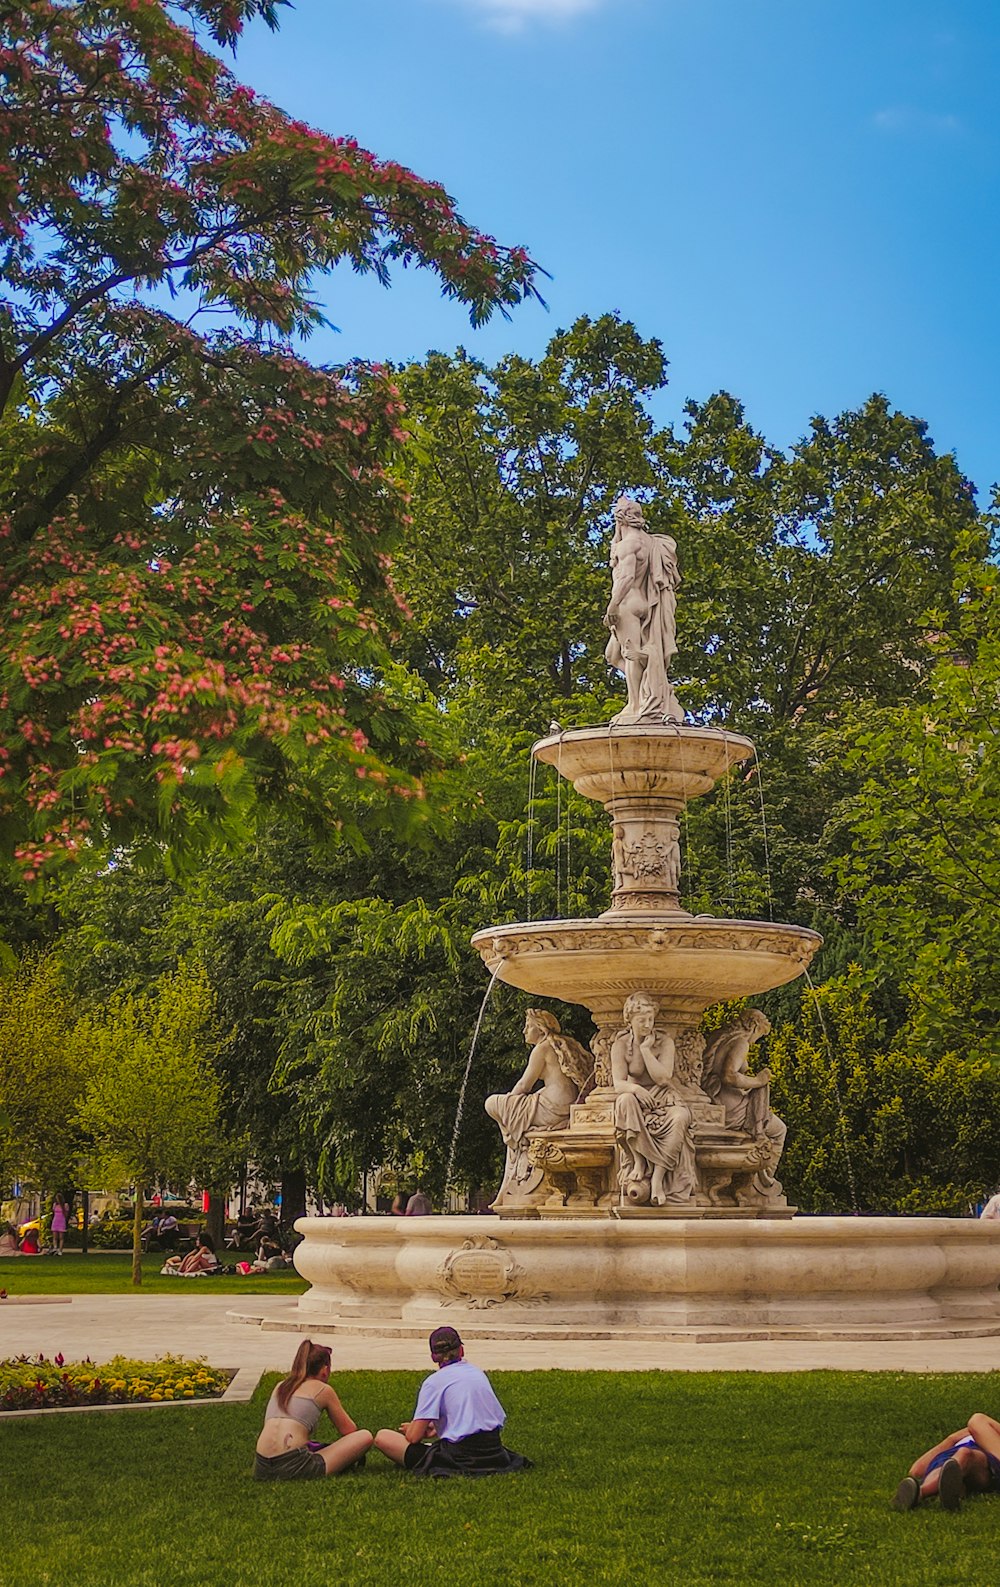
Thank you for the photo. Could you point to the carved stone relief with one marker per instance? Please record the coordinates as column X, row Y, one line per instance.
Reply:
column 482, row 1273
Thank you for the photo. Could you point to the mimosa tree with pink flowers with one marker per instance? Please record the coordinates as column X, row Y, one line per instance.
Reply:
column 196, row 524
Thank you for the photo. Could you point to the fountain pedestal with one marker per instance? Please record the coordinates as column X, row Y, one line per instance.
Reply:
column 579, row 1170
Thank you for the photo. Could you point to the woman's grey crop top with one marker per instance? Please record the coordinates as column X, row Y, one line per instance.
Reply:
column 300, row 1408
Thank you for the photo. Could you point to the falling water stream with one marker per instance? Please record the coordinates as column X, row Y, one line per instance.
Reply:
column 465, row 1078
column 530, row 858
column 727, row 811
column 836, row 1087
column 559, row 784
column 763, row 826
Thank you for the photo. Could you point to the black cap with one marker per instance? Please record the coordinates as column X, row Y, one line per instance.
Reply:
column 444, row 1340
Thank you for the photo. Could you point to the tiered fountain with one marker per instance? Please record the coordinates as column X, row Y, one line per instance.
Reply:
column 641, row 1197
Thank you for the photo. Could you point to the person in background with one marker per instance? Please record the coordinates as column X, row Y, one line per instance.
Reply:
column 459, row 1413
column 398, row 1208
column 419, row 1205
column 167, row 1231
column 246, row 1223
column 59, row 1225
column 8, row 1240
column 202, row 1259
column 29, row 1242
column 285, row 1452
column 149, row 1232
column 265, row 1239
column 964, row 1463
column 992, row 1208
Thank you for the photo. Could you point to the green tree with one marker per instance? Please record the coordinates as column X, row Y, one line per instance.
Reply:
column 513, row 471
column 42, row 1076
column 195, row 523
column 151, row 1104
column 809, row 579
column 875, row 1123
column 918, row 849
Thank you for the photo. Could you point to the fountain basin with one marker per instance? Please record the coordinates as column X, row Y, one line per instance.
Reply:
column 669, row 762
column 688, row 962
column 652, row 1277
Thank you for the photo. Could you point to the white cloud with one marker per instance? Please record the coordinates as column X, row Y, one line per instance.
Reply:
column 510, row 16
column 904, row 119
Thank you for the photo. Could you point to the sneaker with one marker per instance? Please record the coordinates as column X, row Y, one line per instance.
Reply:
column 951, row 1490
column 907, row 1495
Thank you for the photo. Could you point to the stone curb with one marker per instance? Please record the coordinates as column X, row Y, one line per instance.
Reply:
column 242, row 1387
column 387, row 1328
column 35, row 1300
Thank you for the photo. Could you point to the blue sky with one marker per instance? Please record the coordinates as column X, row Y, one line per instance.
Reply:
column 799, row 198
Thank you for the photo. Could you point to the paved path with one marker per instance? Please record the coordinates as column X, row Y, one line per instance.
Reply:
column 145, row 1326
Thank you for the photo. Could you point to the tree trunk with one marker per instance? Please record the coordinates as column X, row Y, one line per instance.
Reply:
column 85, row 1241
column 215, row 1222
column 293, row 1195
column 137, row 1237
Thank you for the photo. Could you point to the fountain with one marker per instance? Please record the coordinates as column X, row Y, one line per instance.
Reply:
column 641, row 1196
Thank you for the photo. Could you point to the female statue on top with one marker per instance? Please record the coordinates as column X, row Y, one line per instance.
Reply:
column 641, row 616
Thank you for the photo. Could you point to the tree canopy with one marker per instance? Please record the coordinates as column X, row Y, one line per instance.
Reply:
column 195, row 522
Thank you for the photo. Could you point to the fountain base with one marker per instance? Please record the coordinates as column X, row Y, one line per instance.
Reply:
column 653, row 1277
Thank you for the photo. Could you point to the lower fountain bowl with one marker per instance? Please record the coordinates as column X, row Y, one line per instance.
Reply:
column 687, row 961
column 809, row 1278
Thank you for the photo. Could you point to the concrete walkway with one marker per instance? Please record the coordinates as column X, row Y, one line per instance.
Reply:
column 145, row 1326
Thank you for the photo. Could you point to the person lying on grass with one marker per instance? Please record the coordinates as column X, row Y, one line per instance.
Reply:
column 458, row 1410
column 964, row 1463
column 284, row 1450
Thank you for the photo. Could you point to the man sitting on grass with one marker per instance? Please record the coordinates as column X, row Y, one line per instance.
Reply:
column 458, row 1412
column 964, row 1463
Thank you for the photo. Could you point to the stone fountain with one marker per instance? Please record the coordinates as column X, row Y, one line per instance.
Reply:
column 641, row 1195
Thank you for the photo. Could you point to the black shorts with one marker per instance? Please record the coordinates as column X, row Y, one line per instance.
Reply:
column 295, row 1465
column 478, row 1455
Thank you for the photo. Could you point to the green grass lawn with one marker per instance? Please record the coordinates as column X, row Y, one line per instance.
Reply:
column 643, row 1479
column 110, row 1273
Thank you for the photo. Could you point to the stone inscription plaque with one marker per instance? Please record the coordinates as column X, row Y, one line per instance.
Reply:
column 479, row 1272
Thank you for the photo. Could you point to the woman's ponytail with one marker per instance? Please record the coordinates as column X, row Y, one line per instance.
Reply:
column 309, row 1361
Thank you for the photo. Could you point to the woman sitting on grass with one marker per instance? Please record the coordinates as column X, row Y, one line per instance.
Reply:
column 964, row 1463
column 201, row 1260
column 284, row 1451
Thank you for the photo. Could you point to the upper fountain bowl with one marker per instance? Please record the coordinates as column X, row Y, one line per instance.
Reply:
column 661, row 761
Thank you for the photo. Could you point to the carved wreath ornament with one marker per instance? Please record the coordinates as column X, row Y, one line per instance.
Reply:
column 482, row 1273
column 649, row 857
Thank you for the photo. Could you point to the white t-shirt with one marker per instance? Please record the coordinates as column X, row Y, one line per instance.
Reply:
column 992, row 1207
column 458, row 1399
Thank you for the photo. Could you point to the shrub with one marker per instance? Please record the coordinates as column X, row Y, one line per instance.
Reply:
column 30, row 1383
column 111, row 1235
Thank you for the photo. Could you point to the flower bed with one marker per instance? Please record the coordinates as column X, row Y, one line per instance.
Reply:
column 34, row 1383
